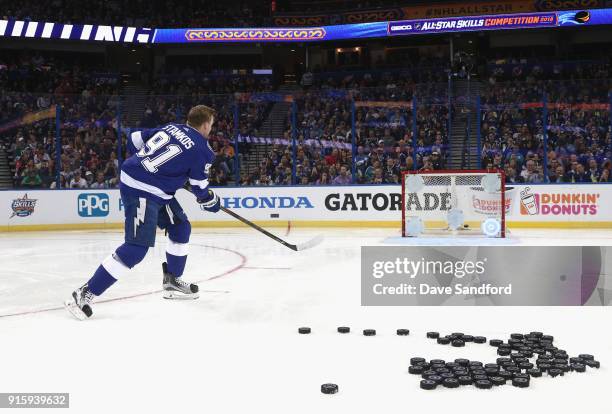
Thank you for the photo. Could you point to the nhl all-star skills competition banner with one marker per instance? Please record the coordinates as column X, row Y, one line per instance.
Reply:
column 123, row 34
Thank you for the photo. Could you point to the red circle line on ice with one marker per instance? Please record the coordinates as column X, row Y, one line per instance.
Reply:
column 243, row 261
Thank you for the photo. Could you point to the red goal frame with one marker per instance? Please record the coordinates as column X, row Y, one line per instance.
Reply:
column 496, row 171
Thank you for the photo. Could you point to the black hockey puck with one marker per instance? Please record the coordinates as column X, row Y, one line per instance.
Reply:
column 437, row 361
column 344, row 329
column 525, row 365
column 495, row 342
column 517, row 336
column 555, row 372
column 578, row 367
column 505, row 374
column 534, row 372
column 403, row 332
column 520, row 382
column 433, row 335
column 450, row 383
column 503, row 351
column 416, row 360
column 465, row 380
column 438, row 379
column 462, row 361
column 592, row 363
column 428, row 384
column 562, row 367
column 480, row 340
column 416, row 369
column 511, row 368
column 484, row 384
column 329, row 388
column 497, row 380
column 491, row 372
column 443, row 340
column 576, row 360
column 369, row 332
column 446, row 375
column 549, row 338
column 458, row 343
column 427, row 373
column 586, row 357
column 304, row 330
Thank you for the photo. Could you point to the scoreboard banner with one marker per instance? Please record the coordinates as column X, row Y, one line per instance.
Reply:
column 122, row 34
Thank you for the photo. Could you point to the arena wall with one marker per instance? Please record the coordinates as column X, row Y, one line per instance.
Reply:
column 555, row 206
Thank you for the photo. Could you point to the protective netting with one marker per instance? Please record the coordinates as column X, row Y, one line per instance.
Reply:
column 454, row 203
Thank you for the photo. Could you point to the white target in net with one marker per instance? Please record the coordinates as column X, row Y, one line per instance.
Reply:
column 414, row 226
column 455, row 218
column 491, row 227
column 491, row 183
column 414, row 183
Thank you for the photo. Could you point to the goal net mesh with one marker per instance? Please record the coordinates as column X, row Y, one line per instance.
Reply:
column 453, row 203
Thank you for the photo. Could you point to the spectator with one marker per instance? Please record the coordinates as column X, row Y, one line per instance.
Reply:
column 77, row 181
column 343, row 178
column 100, row 182
column 31, row 179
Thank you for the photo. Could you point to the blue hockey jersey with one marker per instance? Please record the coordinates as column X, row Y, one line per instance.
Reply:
column 162, row 161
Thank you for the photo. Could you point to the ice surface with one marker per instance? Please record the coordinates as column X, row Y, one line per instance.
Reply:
column 236, row 349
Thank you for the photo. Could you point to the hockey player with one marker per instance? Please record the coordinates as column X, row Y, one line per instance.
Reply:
column 162, row 161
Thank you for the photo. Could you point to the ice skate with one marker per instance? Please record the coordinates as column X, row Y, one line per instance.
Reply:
column 79, row 305
column 176, row 288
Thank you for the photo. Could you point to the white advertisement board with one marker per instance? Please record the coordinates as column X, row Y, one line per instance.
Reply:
column 315, row 206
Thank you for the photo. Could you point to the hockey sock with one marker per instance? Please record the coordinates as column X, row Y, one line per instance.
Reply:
column 103, row 278
column 176, row 257
column 115, row 266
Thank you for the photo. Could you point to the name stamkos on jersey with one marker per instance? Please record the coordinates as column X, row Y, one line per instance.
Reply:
column 179, row 135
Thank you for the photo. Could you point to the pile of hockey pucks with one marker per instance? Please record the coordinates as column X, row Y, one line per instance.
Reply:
column 456, row 339
column 515, row 365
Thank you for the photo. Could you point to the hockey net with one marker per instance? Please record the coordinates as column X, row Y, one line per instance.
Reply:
column 454, row 203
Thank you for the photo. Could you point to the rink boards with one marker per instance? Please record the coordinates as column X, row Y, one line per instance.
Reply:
column 547, row 206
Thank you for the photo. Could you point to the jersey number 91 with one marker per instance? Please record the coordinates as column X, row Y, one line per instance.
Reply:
column 155, row 143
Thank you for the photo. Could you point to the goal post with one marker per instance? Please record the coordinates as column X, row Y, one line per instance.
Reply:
column 454, row 203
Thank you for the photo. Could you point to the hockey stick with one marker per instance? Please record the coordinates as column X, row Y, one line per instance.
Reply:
column 296, row 247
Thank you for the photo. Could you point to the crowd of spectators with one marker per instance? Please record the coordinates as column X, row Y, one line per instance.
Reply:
column 512, row 122
column 578, row 136
column 384, row 144
column 87, row 96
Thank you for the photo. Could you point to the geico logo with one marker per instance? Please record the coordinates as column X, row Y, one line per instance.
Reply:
column 428, row 201
column 403, row 27
column 363, row 201
column 267, row 202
